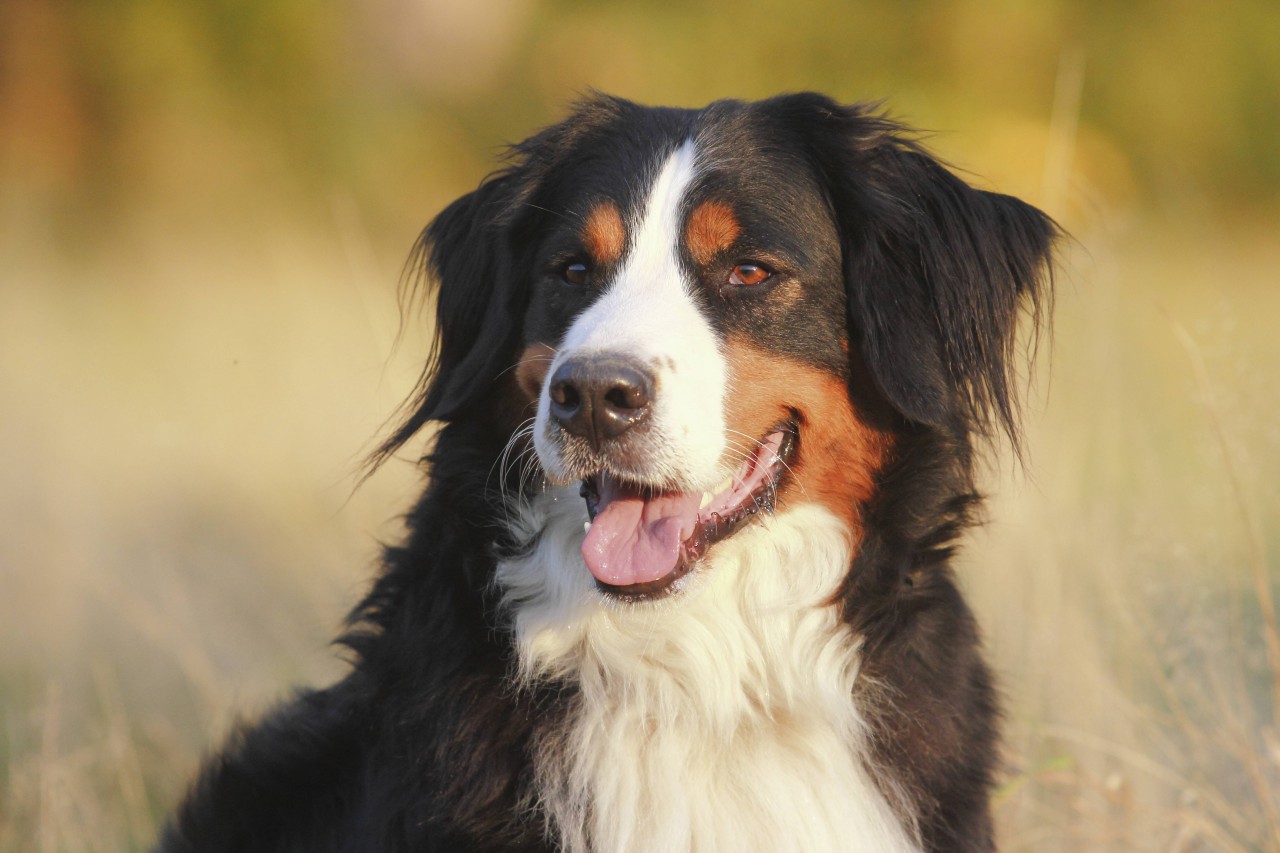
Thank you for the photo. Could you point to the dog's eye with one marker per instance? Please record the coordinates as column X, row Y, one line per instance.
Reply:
column 746, row 275
column 576, row 273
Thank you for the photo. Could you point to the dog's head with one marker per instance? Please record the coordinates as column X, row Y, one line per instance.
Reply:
column 710, row 313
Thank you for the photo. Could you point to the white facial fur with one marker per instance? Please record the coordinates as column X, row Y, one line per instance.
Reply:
column 648, row 315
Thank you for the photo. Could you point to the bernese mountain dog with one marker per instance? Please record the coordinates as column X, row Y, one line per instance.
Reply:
column 709, row 387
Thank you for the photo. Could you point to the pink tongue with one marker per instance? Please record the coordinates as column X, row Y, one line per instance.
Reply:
column 633, row 540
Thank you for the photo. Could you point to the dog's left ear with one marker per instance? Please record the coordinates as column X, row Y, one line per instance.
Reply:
column 935, row 271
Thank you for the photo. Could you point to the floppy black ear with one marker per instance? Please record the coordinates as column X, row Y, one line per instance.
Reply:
column 475, row 257
column 467, row 257
column 470, row 256
column 936, row 272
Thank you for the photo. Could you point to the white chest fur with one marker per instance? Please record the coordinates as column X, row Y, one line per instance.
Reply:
column 722, row 719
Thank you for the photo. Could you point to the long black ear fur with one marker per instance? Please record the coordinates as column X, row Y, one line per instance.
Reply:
column 465, row 257
column 935, row 270
column 473, row 257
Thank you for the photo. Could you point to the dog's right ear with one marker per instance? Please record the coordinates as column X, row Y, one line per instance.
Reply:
column 468, row 258
column 468, row 253
column 474, row 257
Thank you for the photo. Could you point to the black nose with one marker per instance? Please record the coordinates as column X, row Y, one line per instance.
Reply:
column 600, row 398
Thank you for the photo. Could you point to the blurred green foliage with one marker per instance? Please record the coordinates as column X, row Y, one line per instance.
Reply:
column 210, row 108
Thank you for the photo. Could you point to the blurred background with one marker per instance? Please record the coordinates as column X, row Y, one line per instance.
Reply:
column 204, row 210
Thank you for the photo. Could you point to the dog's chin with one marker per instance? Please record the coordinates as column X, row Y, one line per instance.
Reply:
column 643, row 541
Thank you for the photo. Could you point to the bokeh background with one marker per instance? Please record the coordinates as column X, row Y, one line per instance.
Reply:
column 204, row 210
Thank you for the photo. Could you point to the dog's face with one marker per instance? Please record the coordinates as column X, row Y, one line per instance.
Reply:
column 686, row 347
column 711, row 314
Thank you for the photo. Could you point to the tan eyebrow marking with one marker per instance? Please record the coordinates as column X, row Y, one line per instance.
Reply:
column 712, row 228
column 603, row 233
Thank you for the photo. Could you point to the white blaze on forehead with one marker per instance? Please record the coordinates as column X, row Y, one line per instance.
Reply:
column 648, row 315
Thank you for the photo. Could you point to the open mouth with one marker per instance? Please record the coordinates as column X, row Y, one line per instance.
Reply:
column 641, row 541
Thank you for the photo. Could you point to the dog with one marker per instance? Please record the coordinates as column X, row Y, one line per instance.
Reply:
column 710, row 387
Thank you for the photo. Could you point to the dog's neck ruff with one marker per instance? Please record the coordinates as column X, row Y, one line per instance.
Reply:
column 722, row 718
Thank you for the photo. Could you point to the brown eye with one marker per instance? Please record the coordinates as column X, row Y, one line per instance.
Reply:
column 746, row 275
column 576, row 273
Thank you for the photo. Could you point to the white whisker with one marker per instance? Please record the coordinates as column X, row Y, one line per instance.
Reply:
column 502, row 465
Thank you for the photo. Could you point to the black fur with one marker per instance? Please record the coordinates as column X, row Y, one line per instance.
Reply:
column 425, row 744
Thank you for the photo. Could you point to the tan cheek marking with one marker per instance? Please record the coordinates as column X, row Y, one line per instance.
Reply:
column 531, row 369
column 603, row 234
column 839, row 454
column 712, row 228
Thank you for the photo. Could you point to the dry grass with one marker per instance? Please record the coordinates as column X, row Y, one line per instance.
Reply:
column 1126, row 585
column 180, row 535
